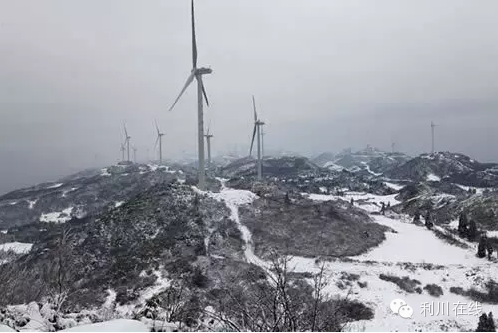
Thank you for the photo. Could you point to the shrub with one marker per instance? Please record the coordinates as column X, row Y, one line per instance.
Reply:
column 434, row 290
column 405, row 283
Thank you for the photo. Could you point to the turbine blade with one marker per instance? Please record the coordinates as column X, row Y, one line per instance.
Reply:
column 252, row 141
column 194, row 42
column 189, row 81
column 126, row 132
column 254, row 108
column 157, row 127
column 157, row 140
column 204, row 92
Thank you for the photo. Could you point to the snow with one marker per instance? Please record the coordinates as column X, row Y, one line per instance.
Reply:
column 57, row 217
column 116, row 325
column 16, row 247
column 395, row 187
column 433, row 178
column 65, row 192
column 55, row 185
column 105, row 172
column 366, row 201
column 479, row 190
column 405, row 246
column 4, row 328
column 332, row 166
column 233, row 199
column 118, row 203
column 32, row 203
column 4, row 231
column 13, row 203
column 367, row 167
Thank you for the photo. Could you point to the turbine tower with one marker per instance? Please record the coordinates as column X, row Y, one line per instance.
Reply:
column 160, row 140
column 432, row 132
column 257, row 130
column 134, row 154
column 127, row 142
column 262, row 142
column 122, row 152
column 208, row 141
column 197, row 73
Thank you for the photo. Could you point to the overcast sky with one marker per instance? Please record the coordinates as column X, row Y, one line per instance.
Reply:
column 326, row 75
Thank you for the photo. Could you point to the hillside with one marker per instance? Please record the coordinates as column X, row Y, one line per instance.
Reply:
column 82, row 194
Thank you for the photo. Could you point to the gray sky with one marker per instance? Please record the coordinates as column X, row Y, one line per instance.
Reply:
column 326, row 75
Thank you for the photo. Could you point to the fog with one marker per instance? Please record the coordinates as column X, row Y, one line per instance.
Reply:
column 326, row 75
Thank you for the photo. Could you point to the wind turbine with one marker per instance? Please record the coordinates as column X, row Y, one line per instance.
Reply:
column 127, row 142
column 432, row 131
column 122, row 151
column 160, row 140
column 135, row 154
column 208, row 141
column 257, row 129
column 197, row 73
column 262, row 142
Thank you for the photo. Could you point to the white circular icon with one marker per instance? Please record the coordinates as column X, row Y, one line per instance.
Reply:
column 405, row 311
column 396, row 305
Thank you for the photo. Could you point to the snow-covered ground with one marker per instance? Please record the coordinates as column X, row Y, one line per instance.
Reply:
column 433, row 178
column 394, row 186
column 367, row 201
column 116, row 325
column 118, row 203
column 479, row 190
column 16, row 247
column 32, row 203
column 57, row 217
column 55, row 185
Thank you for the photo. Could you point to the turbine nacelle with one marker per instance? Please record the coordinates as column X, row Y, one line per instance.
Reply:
column 202, row 71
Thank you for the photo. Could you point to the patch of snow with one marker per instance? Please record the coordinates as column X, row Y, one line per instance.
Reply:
column 32, row 203
column 16, row 247
column 479, row 190
column 116, row 325
column 5, row 328
column 13, row 203
column 416, row 244
column 367, row 167
column 366, row 201
column 4, row 231
column 67, row 191
column 433, row 178
column 118, row 203
column 323, row 189
column 105, row 172
column 55, row 185
column 57, row 217
column 395, row 187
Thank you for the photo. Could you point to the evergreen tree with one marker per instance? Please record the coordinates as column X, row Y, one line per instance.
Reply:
column 287, row 199
column 490, row 249
column 428, row 221
column 472, row 230
column 352, row 201
column 481, row 248
column 383, row 209
column 416, row 217
column 486, row 323
column 463, row 225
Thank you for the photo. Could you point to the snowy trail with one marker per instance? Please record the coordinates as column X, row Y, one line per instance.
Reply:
column 233, row 199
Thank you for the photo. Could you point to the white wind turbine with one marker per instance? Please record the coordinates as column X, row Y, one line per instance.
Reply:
column 135, row 154
column 257, row 129
column 197, row 73
column 127, row 142
column 160, row 140
column 209, row 136
column 122, row 152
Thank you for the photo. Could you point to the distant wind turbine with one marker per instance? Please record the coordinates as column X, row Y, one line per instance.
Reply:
column 127, row 142
column 160, row 140
column 257, row 130
column 135, row 154
column 432, row 132
column 208, row 141
column 122, row 152
column 197, row 73
column 262, row 141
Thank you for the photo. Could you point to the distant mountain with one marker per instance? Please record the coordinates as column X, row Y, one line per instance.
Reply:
column 370, row 160
column 81, row 194
column 272, row 166
column 447, row 166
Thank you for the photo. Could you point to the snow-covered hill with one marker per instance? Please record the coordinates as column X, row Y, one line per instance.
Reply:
column 451, row 167
column 82, row 194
